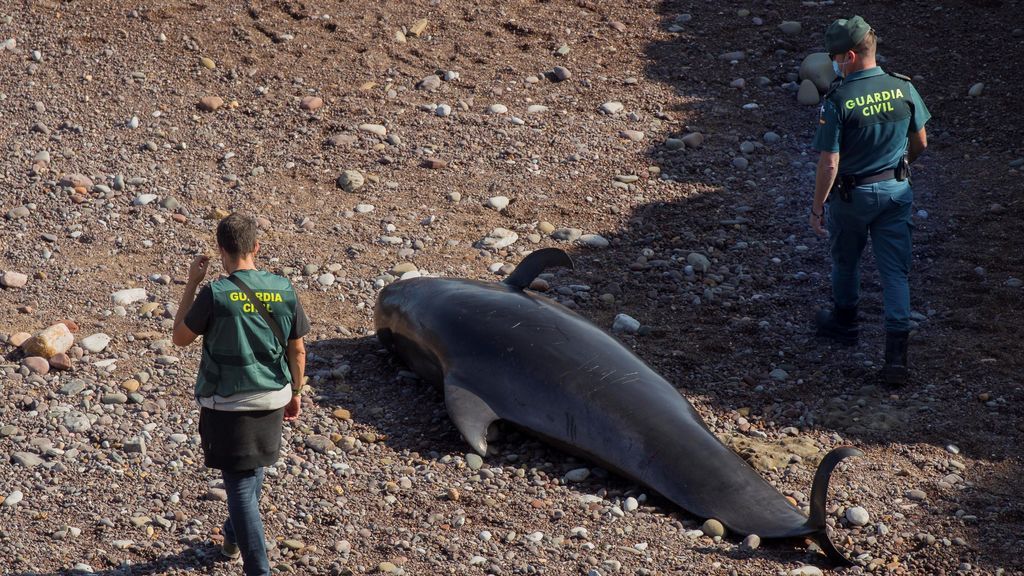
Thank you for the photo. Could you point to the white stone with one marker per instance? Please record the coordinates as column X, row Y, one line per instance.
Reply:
column 497, row 109
column 625, row 323
column 594, row 240
column 500, row 238
column 630, row 505
column 95, row 343
column 806, row 571
column 976, row 90
column 129, row 296
column 536, row 109
column 498, row 203
column 143, row 199
column 375, row 129
column 13, row 498
column 857, row 516
column 612, row 107
column 577, row 475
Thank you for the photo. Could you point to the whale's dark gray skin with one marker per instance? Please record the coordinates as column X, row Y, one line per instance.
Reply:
column 502, row 353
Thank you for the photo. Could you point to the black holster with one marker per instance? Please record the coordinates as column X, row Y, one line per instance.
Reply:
column 902, row 169
column 843, row 187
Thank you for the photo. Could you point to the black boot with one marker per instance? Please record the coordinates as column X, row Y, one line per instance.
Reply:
column 839, row 324
column 895, row 371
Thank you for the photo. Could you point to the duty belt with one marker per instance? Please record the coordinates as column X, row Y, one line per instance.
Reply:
column 872, row 178
column 844, row 185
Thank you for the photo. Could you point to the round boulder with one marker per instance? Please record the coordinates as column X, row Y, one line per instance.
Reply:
column 817, row 68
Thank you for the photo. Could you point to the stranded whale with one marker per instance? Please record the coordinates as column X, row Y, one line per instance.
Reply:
column 502, row 353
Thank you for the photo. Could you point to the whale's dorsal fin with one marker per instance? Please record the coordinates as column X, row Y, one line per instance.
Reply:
column 535, row 263
column 471, row 415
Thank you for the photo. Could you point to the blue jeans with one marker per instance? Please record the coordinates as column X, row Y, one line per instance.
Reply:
column 883, row 211
column 244, row 526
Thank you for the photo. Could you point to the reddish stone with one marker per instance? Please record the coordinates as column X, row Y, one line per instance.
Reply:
column 210, row 103
column 434, row 164
column 311, row 103
column 36, row 364
column 11, row 279
column 76, row 181
column 61, row 362
column 72, row 326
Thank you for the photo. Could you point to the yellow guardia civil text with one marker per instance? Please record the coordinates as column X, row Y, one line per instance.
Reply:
column 874, row 103
column 265, row 297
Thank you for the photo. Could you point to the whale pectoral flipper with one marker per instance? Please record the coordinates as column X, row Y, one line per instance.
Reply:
column 471, row 415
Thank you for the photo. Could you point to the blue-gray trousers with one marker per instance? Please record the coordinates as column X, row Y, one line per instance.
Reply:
column 881, row 210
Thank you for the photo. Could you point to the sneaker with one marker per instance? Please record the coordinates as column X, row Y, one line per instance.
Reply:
column 230, row 550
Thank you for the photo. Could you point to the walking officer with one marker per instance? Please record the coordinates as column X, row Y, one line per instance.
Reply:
column 871, row 127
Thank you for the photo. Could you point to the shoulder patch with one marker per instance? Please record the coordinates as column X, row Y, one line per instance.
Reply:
column 898, row 75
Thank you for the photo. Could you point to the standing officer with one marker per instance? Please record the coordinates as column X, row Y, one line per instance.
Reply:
column 870, row 128
column 250, row 377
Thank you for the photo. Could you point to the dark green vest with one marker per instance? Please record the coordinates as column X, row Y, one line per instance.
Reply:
column 240, row 352
column 875, row 110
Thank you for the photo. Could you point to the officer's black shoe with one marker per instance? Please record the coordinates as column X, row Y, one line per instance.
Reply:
column 839, row 324
column 895, row 372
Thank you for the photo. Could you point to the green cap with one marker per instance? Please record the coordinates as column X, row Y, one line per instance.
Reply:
column 843, row 35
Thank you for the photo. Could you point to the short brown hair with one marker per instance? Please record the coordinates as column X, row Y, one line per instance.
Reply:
column 236, row 234
column 867, row 46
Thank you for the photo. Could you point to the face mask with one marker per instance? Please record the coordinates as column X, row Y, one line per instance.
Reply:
column 837, row 69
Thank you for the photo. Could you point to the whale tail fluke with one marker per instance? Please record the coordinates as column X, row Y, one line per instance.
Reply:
column 819, row 492
column 535, row 263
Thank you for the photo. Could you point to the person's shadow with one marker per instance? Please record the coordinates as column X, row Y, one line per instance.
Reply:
column 201, row 556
